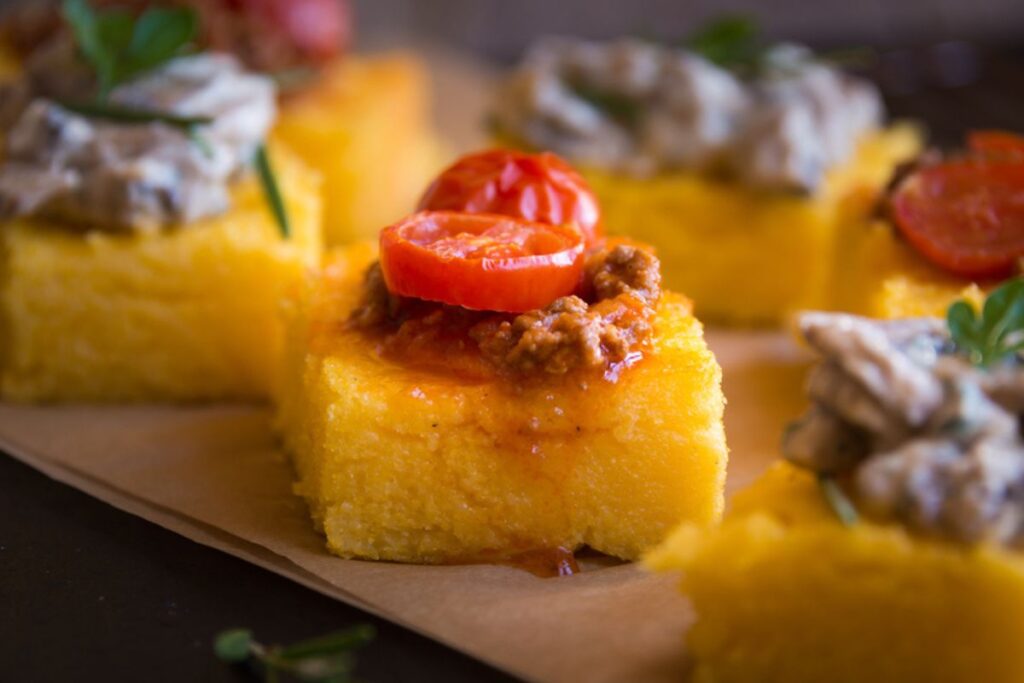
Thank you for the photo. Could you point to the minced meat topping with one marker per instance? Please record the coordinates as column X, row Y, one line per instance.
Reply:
column 918, row 433
column 608, row 323
column 640, row 108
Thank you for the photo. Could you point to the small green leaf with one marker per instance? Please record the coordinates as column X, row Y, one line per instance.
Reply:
column 234, row 645
column 159, row 35
column 995, row 333
column 1004, row 310
column 962, row 322
column 82, row 21
column 119, row 47
column 114, row 30
column 728, row 41
column 272, row 191
column 837, row 500
column 84, row 25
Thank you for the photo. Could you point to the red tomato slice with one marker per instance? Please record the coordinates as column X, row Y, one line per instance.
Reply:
column 482, row 261
column 996, row 143
column 537, row 187
column 965, row 216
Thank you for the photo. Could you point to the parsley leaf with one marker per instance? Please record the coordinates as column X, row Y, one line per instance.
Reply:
column 233, row 646
column 159, row 35
column 995, row 334
column 120, row 47
column 729, row 41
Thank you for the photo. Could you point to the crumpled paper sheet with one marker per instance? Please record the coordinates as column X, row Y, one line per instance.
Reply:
column 215, row 474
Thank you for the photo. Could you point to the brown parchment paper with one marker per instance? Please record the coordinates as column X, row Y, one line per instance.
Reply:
column 215, row 475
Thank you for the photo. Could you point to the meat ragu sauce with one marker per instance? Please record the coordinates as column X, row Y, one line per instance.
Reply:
column 603, row 328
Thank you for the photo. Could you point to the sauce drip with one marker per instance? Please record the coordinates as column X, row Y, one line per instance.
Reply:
column 544, row 563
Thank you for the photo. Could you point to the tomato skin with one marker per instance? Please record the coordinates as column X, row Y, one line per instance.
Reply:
column 965, row 216
column 537, row 187
column 481, row 261
column 996, row 144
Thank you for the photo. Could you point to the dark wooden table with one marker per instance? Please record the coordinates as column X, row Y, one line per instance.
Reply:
column 90, row 593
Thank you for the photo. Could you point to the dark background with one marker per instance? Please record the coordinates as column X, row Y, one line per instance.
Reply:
column 500, row 29
column 88, row 593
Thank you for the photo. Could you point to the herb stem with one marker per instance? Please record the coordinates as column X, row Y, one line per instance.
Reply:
column 272, row 190
column 327, row 659
column 113, row 112
column 837, row 500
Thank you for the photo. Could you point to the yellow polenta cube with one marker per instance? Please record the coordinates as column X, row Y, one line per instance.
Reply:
column 186, row 313
column 881, row 276
column 404, row 464
column 784, row 593
column 745, row 255
column 365, row 126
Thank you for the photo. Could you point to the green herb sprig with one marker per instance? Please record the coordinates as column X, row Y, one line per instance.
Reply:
column 997, row 332
column 119, row 46
column 837, row 499
column 272, row 191
column 729, row 41
column 734, row 42
column 326, row 659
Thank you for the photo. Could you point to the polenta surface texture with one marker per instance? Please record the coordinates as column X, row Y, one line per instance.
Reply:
column 785, row 593
column 186, row 313
column 365, row 126
column 881, row 276
column 745, row 255
column 404, row 464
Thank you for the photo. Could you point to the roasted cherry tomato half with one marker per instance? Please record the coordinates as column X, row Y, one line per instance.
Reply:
column 481, row 261
column 966, row 216
column 996, row 144
column 537, row 187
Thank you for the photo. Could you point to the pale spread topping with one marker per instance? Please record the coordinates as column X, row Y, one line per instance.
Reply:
column 919, row 433
column 641, row 108
column 117, row 175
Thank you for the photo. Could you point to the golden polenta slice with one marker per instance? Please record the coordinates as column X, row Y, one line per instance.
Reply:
column 400, row 463
column 181, row 314
column 881, row 276
column 785, row 593
column 365, row 126
column 746, row 255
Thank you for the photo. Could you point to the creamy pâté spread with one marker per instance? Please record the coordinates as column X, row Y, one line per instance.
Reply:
column 920, row 434
column 125, row 176
column 642, row 108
